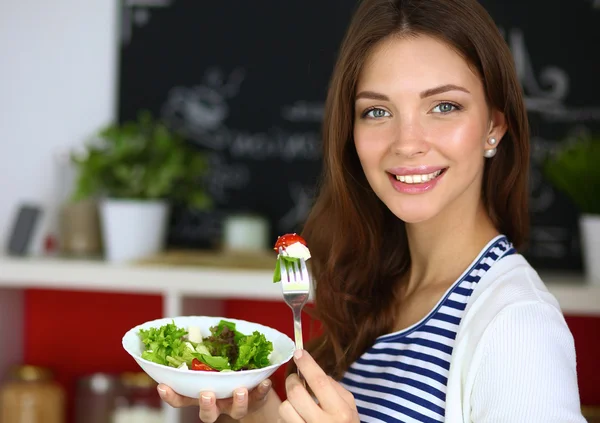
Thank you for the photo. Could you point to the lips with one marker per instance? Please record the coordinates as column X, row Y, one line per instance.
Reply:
column 416, row 180
column 416, row 175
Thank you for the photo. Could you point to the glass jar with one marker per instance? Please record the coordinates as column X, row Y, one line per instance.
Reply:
column 140, row 402
column 96, row 397
column 32, row 396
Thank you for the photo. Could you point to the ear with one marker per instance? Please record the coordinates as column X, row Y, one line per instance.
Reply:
column 498, row 126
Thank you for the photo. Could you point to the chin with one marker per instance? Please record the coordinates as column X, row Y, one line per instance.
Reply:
column 414, row 213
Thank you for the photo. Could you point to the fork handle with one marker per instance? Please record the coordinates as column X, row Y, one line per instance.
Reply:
column 298, row 337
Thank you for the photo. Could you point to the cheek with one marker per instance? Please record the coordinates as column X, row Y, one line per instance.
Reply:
column 371, row 145
column 461, row 141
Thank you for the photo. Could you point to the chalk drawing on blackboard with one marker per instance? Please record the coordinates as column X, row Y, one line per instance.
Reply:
column 302, row 197
column 303, row 111
column 549, row 102
column 135, row 14
column 200, row 112
column 196, row 224
column 223, row 177
column 276, row 143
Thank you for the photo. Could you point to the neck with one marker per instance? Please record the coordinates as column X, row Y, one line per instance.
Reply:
column 442, row 248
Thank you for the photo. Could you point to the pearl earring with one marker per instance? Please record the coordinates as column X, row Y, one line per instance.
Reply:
column 492, row 151
column 489, row 153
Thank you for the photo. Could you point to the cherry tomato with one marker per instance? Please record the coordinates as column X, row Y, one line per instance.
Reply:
column 286, row 240
column 198, row 365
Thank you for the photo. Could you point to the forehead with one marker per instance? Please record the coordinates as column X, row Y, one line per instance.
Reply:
column 415, row 64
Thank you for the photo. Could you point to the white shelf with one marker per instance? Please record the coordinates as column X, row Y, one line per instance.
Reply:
column 152, row 279
column 573, row 294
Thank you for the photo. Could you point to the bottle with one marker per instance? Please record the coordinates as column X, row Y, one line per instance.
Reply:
column 32, row 396
column 141, row 403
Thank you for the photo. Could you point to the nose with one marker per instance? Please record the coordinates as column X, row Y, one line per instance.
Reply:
column 409, row 140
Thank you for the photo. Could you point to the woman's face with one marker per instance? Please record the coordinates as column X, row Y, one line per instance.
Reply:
column 421, row 127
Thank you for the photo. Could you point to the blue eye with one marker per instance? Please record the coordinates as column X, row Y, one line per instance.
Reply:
column 445, row 108
column 376, row 113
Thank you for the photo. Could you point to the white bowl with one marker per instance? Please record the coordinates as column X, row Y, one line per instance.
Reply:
column 191, row 383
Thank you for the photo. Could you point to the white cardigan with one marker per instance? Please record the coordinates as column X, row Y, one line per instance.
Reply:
column 514, row 356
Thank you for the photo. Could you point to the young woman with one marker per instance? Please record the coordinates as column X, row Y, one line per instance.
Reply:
column 429, row 313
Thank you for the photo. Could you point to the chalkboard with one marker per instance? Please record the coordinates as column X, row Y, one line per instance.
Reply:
column 246, row 82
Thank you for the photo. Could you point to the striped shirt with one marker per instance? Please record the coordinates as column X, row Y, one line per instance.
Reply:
column 403, row 376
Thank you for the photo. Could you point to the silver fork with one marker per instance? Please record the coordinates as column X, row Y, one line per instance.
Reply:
column 295, row 286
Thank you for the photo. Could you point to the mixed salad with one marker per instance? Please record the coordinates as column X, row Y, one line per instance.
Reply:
column 225, row 349
column 293, row 248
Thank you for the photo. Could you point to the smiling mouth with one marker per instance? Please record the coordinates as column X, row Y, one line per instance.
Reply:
column 419, row 178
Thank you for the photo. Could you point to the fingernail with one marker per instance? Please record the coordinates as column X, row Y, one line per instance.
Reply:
column 297, row 354
column 240, row 396
column 265, row 385
column 162, row 392
column 205, row 399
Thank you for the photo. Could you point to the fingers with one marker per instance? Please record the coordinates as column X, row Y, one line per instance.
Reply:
column 209, row 412
column 239, row 404
column 344, row 393
column 259, row 395
column 174, row 399
column 210, row 408
column 320, row 383
column 288, row 414
column 299, row 398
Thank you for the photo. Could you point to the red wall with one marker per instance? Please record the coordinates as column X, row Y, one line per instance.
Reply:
column 78, row 333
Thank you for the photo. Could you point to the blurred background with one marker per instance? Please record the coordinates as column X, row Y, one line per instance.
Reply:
column 152, row 151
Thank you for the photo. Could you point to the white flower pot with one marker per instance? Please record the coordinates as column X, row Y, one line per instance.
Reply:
column 133, row 229
column 589, row 225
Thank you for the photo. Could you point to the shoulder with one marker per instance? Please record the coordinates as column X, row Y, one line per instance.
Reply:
column 510, row 299
column 511, row 283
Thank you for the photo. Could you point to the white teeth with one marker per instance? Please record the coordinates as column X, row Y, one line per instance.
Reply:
column 418, row 179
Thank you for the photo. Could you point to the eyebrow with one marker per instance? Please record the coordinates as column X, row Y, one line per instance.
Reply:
column 427, row 93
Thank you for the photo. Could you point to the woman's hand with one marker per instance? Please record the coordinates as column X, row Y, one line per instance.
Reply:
column 241, row 404
column 336, row 404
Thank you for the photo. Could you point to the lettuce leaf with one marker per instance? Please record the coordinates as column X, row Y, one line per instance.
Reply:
column 286, row 260
column 253, row 353
column 218, row 363
column 163, row 342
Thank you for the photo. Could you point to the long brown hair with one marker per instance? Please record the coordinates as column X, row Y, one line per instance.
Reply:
column 359, row 247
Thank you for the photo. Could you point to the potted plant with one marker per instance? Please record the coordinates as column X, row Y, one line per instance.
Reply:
column 137, row 170
column 575, row 170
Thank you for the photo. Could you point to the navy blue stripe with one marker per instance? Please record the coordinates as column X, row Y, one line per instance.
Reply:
column 472, row 278
column 446, row 318
column 455, row 304
column 465, row 292
column 398, row 393
column 412, row 354
column 403, row 366
column 400, row 380
column 439, row 331
column 424, row 342
column 396, row 407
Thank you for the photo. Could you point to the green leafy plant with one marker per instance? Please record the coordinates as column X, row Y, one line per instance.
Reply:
column 575, row 170
column 141, row 160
